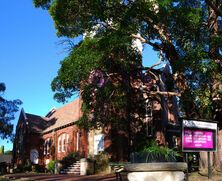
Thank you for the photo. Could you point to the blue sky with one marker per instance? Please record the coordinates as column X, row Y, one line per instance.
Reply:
column 30, row 56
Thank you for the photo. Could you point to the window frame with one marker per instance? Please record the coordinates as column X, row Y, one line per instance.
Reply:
column 63, row 140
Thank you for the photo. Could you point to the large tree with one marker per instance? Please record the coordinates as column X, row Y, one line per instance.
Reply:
column 8, row 108
column 187, row 32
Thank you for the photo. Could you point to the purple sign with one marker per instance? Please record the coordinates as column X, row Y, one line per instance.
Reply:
column 198, row 139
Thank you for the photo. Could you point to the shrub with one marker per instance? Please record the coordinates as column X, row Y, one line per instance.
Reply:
column 101, row 162
column 29, row 168
column 154, row 153
column 38, row 168
column 51, row 166
column 23, row 168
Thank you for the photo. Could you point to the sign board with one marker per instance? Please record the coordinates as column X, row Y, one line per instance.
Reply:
column 199, row 136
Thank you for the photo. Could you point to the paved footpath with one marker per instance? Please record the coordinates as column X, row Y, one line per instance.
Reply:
column 70, row 177
column 61, row 177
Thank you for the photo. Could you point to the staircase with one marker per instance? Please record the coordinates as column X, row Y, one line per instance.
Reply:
column 72, row 169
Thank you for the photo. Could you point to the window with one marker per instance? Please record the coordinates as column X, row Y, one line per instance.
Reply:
column 34, row 156
column 63, row 142
column 45, row 148
column 67, row 139
column 98, row 143
column 47, row 145
column 59, row 144
column 77, row 141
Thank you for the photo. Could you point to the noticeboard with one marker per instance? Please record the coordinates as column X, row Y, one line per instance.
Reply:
column 199, row 136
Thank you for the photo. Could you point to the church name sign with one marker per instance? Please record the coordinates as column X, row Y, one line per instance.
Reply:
column 199, row 136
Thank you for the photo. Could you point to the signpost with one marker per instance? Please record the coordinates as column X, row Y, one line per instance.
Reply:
column 199, row 136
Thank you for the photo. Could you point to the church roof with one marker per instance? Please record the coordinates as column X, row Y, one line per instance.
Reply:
column 55, row 119
column 36, row 123
column 68, row 114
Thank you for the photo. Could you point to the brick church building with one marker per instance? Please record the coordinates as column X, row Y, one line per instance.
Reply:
column 41, row 139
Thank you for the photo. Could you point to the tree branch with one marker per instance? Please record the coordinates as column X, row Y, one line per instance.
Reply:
column 143, row 40
column 165, row 93
column 214, row 7
column 159, row 61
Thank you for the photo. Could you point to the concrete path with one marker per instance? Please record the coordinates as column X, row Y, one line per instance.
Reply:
column 70, row 177
column 61, row 177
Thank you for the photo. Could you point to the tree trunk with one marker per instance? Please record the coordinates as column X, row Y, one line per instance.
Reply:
column 216, row 112
column 218, row 154
column 216, row 158
column 203, row 162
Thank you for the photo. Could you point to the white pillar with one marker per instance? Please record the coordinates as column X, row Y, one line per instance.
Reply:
column 83, row 166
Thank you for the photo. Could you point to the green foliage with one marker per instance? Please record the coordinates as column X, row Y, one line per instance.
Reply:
column 38, row 168
column 154, row 153
column 8, row 152
column 42, row 3
column 181, row 29
column 70, row 159
column 8, row 108
column 23, row 168
column 118, row 59
column 51, row 166
column 1, row 150
column 101, row 162
column 75, row 69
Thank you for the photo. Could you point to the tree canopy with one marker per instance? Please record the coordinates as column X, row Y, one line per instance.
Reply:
column 8, row 108
column 187, row 32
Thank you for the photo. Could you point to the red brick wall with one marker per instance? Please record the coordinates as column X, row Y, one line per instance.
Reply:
column 31, row 141
column 71, row 146
column 84, row 143
column 35, row 142
column 116, row 144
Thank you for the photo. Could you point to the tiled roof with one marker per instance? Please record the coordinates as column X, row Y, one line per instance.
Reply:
column 65, row 115
column 36, row 123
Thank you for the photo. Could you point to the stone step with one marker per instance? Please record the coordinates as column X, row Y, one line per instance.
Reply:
column 76, row 173
column 74, row 166
column 72, row 169
column 67, row 170
column 64, row 172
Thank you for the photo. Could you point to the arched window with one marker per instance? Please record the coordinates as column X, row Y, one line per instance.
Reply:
column 60, row 144
column 63, row 142
column 47, row 145
column 77, row 141
column 34, row 156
